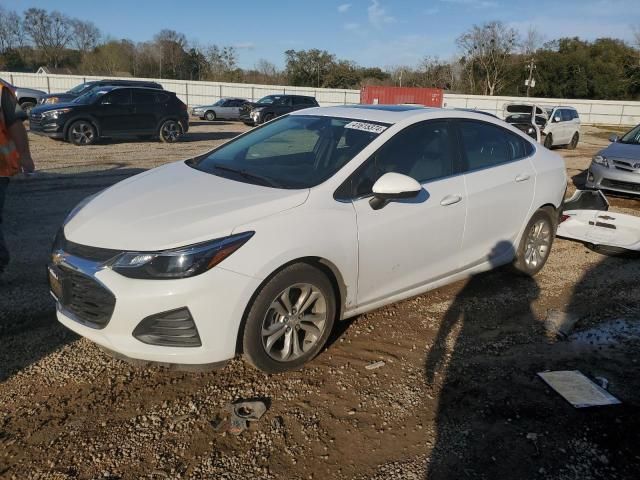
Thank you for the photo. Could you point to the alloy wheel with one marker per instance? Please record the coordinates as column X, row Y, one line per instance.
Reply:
column 82, row 133
column 170, row 131
column 538, row 243
column 294, row 323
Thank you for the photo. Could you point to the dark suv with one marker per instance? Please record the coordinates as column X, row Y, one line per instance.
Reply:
column 83, row 88
column 113, row 112
column 273, row 106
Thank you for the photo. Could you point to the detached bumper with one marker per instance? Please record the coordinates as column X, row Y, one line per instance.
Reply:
column 611, row 178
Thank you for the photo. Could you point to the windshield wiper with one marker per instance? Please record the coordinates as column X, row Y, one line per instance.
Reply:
column 248, row 175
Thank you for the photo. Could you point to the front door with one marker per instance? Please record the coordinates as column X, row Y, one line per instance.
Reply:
column 500, row 183
column 409, row 243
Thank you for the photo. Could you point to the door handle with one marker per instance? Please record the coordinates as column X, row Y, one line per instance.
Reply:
column 523, row 177
column 450, row 200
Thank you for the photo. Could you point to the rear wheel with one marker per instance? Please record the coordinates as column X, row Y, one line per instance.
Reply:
column 290, row 319
column 210, row 116
column 535, row 243
column 548, row 141
column 27, row 106
column 82, row 132
column 170, row 131
column 574, row 141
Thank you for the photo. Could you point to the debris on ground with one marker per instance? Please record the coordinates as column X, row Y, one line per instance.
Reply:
column 237, row 415
column 559, row 323
column 577, row 389
column 373, row 366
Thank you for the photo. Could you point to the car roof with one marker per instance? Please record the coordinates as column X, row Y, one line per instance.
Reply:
column 110, row 88
column 374, row 113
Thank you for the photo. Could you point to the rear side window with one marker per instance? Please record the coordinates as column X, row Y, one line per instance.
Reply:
column 567, row 116
column 486, row 145
column 574, row 114
column 143, row 97
column 423, row 151
column 162, row 97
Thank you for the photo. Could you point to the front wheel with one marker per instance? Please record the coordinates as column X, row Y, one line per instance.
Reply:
column 82, row 132
column 210, row 116
column 535, row 243
column 290, row 319
column 170, row 131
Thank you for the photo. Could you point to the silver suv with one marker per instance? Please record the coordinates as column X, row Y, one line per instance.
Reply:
column 550, row 126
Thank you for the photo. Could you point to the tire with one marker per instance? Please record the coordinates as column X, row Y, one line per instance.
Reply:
column 27, row 106
column 82, row 132
column 535, row 242
column 292, row 341
column 548, row 141
column 210, row 116
column 268, row 117
column 170, row 131
column 574, row 141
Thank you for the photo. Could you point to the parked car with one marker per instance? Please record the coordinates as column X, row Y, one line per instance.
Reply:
column 617, row 167
column 85, row 87
column 264, row 242
column 225, row 108
column 27, row 97
column 113, row 112
column 272, row 106
column 549, row 126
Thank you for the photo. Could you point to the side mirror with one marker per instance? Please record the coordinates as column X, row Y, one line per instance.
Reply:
column 557, row 119
column 393, row 186
column 613, row 138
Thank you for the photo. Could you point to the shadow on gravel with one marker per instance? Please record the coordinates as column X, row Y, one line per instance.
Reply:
column 495, row 419
column 34, row 210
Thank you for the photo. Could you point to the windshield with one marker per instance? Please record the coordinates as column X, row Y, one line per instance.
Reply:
column 90, row 97
column 267, row 100
column 519, row 117
column 78, row 89
column 632, row 137
column 295, row 151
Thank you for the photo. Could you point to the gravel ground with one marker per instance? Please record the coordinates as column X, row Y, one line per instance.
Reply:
column 457, row 396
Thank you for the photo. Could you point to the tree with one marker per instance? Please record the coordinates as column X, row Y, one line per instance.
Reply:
column 11, row 31
column 171, row 46
column 488, row 49
column 308, row 67
column 85, row 35
column 50, row 32
column 223, row 62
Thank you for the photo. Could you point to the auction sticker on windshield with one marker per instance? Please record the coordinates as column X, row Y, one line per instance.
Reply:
column 366, row 127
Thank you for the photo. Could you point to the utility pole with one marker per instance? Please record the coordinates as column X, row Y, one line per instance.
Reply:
column 531, row 66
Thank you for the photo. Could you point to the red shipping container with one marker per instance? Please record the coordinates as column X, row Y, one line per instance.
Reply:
column 429, row 97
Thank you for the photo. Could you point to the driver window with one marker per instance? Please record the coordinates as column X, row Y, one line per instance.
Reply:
column 118, row 97
column 423, row 151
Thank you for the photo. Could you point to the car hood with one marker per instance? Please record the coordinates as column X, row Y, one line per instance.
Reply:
column 622, row 150
column 62, row 97
column 172, row 206
column 53, row 106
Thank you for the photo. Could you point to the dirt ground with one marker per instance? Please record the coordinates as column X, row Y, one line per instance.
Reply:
column 457, row 396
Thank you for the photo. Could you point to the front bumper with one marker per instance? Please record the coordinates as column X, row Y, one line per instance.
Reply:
column 611, row 178
column 215, row 299
column 50, row 129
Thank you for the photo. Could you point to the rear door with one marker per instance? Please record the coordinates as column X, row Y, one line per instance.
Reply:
column 145, row 110
column 409, row 243
column 116, row 112
column 500, row 184
column 225, row 110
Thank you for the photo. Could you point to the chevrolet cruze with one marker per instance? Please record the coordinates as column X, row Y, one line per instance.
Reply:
column 259, row 246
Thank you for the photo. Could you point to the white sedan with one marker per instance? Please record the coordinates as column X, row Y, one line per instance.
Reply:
column 259, row 246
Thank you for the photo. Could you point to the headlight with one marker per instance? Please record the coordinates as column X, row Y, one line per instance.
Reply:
column 180, row 262
column 601, row 160
column 55, row 113
column 52, row 100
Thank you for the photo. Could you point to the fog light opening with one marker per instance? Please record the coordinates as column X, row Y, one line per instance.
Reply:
column 174, row 328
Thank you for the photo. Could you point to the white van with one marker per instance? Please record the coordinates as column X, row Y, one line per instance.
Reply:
column 550, row 126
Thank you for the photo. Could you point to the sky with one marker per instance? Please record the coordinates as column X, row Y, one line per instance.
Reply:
column 381, row 33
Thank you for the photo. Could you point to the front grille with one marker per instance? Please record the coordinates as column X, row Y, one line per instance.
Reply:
column 35, row 119
column 88, row 301
column 626, row 165
column 617, row 184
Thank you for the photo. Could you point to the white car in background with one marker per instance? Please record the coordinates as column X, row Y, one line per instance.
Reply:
column 550, row 126
column 260, row 245
column 223, row 109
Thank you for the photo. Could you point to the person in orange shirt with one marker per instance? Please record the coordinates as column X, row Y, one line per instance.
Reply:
column 15, row 156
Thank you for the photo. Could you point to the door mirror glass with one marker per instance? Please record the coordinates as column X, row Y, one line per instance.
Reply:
column 613, row 138
column 393, row 186
column 557, row 118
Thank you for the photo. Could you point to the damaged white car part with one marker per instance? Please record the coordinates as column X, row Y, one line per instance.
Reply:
column 586, row 218
column 550, row 126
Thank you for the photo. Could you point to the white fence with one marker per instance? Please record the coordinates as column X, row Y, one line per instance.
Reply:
column 597, row 112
